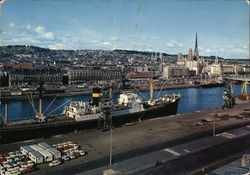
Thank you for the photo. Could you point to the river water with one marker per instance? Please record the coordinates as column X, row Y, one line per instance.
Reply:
column 193, row 99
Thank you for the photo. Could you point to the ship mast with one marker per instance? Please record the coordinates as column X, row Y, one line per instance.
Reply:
column 40, row 116
column 40, row 99
column 151, row 85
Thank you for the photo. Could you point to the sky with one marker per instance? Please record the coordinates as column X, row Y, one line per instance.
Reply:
column 150, row 25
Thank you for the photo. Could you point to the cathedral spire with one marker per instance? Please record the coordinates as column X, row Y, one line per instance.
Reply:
column 196, row 52
column 196, row 44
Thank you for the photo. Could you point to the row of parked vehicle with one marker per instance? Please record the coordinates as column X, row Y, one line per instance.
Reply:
column 19, row 162
column 69, row 151
column 15, row 163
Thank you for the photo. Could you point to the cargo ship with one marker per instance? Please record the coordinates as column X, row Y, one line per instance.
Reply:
column 80, row 115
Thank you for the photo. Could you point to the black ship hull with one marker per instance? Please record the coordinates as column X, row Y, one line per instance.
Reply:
column 48, row 129
column 211, row 85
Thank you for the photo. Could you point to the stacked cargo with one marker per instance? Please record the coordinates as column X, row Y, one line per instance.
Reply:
column 44, row 145
column 36, row 147
column 47, row 156
column 26, row 149
column 37, row 152
column 36, row 157
column 56, row 154
column 41, row 152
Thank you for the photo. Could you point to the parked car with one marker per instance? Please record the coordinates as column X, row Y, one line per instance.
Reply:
column 65, row 157
column 209, row 119
column 28, row 170
column 30, row 163
column 55, row 163
column 72, row 156
column 82, row 153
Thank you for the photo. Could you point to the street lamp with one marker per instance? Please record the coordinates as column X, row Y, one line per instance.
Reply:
column 111, row 145
column 214, row 117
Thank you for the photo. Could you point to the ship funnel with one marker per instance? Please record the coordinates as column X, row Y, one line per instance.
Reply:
column 96, row 95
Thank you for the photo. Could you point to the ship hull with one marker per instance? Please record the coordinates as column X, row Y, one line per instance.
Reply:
column 211, row 85
column 45, row 130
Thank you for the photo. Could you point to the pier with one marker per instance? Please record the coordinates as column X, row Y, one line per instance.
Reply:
column 147, row 137
column 237, row 78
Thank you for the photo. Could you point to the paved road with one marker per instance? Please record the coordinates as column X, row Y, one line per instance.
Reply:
column 190, row 162
column 141, row 151
column 184, row 158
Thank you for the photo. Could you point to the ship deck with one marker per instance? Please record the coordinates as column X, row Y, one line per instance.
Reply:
column 30, row 123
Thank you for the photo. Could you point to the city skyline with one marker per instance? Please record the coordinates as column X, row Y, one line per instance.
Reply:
column 159, row 26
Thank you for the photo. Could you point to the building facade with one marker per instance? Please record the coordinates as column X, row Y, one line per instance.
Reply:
column 94, row 73
column 22, row 77
column 175, row 71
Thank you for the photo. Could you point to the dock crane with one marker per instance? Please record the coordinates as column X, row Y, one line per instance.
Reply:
column 228, row 98
column 244, row 95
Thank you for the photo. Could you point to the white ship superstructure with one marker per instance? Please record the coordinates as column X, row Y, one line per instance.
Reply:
column 80, row 111
column 164, row 99
column 128, row 103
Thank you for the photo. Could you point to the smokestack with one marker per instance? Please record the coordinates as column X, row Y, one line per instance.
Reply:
column 96, row 95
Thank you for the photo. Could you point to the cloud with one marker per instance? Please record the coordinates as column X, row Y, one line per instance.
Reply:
column 174, row 44
column 56, row 46
column 148, row 37
column 93, row 41
column 25, row 39
column 12, row 24
column 114, row 38
column 41, row 31
column 106, row 43
column 229, row 51
column 48, row 35
column 28, row 26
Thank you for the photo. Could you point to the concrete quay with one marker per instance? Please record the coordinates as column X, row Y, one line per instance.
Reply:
column 79, row 91
column 140, row 138
column 181, row 159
